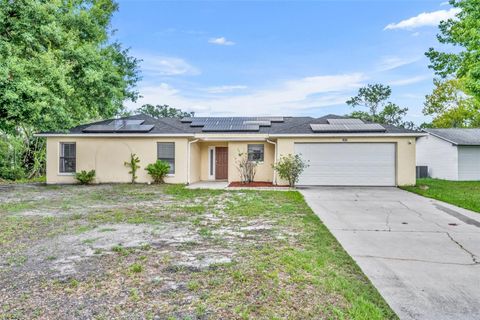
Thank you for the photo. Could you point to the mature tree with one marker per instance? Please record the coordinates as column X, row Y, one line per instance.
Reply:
column 163, row 111
column 58, row 66
column 463, row 32
column 450, row 106
column 375, row 98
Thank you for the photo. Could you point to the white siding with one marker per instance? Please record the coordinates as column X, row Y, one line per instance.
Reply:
column 348, row 164
column 439, row 155
column 468, row 163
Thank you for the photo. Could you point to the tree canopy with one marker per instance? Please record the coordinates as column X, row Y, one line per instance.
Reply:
column 463, row 32
column 375, row 97
column 450, row 106
column 58, row 66
column 163, row 111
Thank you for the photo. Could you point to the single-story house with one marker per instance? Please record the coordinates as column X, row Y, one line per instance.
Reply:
column 340, row 151
column 450, row 154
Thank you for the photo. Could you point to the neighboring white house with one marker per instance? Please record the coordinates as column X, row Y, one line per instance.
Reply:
column 450, row 154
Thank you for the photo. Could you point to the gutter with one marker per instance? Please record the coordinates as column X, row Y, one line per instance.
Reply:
column 113, row 135
column 353, row 135
column 188, row 159
column 274, row 161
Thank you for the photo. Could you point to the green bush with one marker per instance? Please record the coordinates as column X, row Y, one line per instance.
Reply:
column 290, row 167
column 158, row 170
column 133, row 165
column 85, row 177
column 11, row 151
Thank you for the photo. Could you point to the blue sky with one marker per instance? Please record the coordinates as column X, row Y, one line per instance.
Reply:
column 279, row 58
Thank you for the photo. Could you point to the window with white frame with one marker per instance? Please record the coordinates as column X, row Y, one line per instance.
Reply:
column 68, row 157
column 166, row 152
column 256, row 152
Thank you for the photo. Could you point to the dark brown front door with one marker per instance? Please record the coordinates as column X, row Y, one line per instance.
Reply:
column 221, row 163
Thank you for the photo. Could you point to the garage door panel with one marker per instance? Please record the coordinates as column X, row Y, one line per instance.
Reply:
column 468, row 163
column 355, row 164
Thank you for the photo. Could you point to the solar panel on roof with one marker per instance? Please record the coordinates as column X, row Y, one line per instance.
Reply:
column 136, row 128
column 263, row 123
column 119, row 125
column 231, row 123
column 353, row 127
column 100, row 128
column 345, row 121
column 365, row 127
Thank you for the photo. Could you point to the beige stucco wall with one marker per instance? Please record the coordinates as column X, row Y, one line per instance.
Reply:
column 107, row 157
column 405, row 152
column 195, row 165
column 264, row 169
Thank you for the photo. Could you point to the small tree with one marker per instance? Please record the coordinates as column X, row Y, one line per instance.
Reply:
column 85, row 177
column 158, row 170
column 133, row 165
column 247, row 168
column 290, row 167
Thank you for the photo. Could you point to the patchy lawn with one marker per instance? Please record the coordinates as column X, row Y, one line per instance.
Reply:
column 166, row 252
column 465, row 194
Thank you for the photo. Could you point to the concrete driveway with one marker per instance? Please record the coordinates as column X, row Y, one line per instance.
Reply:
column 422, row 255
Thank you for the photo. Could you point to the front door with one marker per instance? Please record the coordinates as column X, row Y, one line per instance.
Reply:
column 221, row 163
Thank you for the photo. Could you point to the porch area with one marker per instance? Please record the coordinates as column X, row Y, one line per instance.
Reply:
column 218, row 160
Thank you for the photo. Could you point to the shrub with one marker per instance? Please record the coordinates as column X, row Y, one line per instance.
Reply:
column 136, row 268
column 133, row 165
column 158, row 170
column 290, row 167
column 247, row 168
column 85, row 177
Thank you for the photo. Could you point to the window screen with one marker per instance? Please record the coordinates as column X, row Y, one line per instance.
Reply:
column 211, row 161
column 166, row 152
column 255, row 152
column 68, row 157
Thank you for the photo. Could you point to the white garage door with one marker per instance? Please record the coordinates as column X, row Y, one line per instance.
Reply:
column 468, row 163
column 348, row 164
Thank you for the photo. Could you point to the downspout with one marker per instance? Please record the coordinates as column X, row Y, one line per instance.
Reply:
column 188, row 159
column 274, row 161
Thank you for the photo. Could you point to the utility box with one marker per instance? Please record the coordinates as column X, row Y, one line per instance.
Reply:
column 422, row 172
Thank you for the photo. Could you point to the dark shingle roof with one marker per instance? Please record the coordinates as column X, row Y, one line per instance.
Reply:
column 290, row 125
column 461, row 137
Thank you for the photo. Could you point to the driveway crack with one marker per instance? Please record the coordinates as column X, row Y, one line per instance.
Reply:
column 387, row 221
column 417, row 260
column 472, row 255
column 420, row 215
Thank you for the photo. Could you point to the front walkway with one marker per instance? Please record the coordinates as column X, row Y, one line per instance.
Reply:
column 208, row 185
column 422, row 255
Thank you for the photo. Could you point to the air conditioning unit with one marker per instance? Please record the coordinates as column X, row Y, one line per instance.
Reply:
column 422, row 172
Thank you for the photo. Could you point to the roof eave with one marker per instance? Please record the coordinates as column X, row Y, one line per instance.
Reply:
column 112, row 135
column 372, row 134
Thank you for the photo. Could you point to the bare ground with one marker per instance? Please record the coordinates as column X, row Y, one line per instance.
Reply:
column 164, row 252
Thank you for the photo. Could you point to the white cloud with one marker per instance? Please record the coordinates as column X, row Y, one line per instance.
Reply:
column 165, row 66
column 287, row 98
column 393, row 62
column 221, row 41
column 225, row 89
column 424, row 19
column 410, row 80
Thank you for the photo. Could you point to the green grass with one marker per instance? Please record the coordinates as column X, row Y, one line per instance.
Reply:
column 292, row 269
column 465, row 194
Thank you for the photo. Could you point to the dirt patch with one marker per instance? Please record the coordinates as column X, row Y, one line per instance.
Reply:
column 162, row 252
